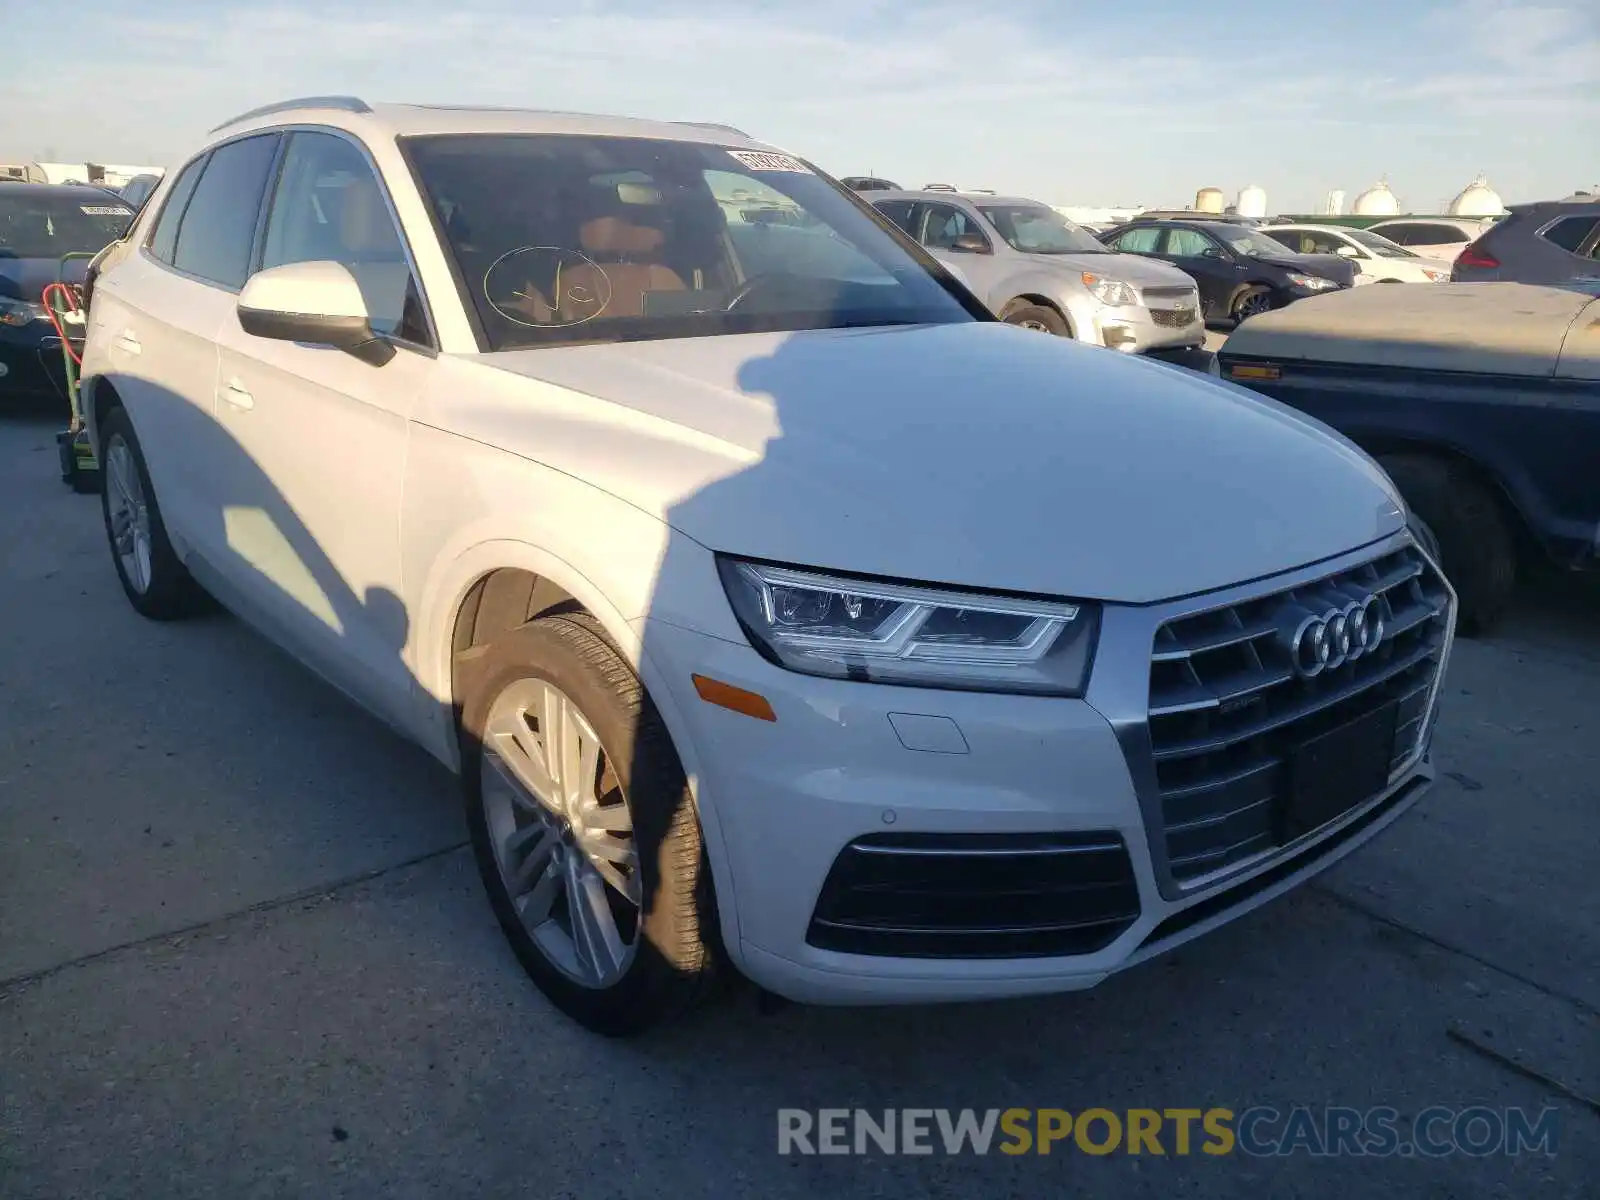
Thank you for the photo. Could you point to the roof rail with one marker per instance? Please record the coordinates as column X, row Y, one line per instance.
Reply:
column 712, row 125
column 343, row 103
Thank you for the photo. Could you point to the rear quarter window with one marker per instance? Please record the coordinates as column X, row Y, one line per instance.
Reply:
column 1570, row 233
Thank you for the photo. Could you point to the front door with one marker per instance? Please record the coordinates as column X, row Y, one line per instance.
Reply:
column 938, row 226
column 313, row 503
column 1217, row 272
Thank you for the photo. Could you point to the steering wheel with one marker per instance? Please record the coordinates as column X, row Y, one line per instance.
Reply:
column 766, row 281
column 805, row 288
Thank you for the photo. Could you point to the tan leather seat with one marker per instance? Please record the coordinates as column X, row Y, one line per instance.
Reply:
column 624, row 267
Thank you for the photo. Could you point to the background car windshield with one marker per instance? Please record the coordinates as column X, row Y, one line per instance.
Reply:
column 1380, row 245
column 1035, row 229
column 560, row 239
column 44, row 225
column 1249, row 242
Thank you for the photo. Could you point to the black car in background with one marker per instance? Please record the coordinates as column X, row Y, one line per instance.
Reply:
column 1240, row 272
column 39, row 224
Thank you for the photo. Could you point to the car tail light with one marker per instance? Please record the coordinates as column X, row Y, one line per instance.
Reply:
column 1476, row 256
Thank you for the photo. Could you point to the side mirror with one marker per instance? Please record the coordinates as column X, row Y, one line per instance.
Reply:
column 970, row 243
column 315, row 302
column 1348, row 252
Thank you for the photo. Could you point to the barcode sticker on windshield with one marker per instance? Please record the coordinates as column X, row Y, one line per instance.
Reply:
column 759, row 160
column 94, row 210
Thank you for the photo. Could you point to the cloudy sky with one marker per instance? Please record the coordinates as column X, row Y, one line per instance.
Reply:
column 1141, row 101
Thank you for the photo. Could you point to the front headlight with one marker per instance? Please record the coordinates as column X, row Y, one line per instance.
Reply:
column 19, row 312
column 1109, row 291
column 874, row 632
column 1313, row 283
column 1435, row 276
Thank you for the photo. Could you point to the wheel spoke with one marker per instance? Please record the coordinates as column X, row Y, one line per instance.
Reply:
column 593, row 925
column 609, row 848
column 613, row 818
column 522, row 791
column 539, row 842
column 627, row 886
column 537, row 904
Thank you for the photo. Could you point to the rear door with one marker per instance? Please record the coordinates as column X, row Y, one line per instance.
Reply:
column 313, row 492
column 157, row 315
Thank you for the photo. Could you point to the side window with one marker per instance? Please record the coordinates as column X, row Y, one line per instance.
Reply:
column 898, row 211
column 215, row 237
column 1570, row 233
column 1142, row 240
column 1189, row 243
column 1320, row 243
column 1440, row 235
column 164, row 239
column 329, row 207
column 942, row 224
column 1404, row 235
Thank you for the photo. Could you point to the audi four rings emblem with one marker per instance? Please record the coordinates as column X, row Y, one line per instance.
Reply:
column 1322, row 641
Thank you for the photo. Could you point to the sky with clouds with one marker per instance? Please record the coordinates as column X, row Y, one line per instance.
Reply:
column 1139, row 102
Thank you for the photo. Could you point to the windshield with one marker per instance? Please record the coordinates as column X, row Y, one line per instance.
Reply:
column 1035, row 229
column 1379, row 244
column 49, row 224
column 1248, row 241
column 560, row 238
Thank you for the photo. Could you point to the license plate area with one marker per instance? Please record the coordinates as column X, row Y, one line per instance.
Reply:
column 1337, row 770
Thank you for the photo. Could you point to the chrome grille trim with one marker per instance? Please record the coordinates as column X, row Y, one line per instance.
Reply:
column 1172, row 318
column 1232, row 787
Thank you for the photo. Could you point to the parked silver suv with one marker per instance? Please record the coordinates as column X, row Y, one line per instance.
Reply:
column 1036, row 269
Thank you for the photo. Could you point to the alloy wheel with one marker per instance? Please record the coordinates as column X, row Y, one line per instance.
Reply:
column 562, row 832
column 129, row 514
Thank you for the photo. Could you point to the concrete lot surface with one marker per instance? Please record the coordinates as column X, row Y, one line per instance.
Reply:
column 244, row 954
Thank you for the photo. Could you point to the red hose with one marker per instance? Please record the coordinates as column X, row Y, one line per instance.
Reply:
column 72, row 304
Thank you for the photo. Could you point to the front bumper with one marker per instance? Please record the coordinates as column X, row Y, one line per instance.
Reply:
column 846, row 764
column 31, row 362
column 1140, row 329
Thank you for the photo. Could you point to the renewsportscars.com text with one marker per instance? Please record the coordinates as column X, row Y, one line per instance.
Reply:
column 1260, row 1131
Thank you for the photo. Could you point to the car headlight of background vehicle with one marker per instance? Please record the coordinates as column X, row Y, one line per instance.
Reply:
column 1436, row 276
column 875, row 632
column 1109, row 291
column 19, row 312
column 1314, row 283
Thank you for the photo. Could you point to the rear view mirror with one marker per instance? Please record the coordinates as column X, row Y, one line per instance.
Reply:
column 970, row 243
column 315, row 302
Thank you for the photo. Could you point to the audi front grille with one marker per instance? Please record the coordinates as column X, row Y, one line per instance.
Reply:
column 1255, row 706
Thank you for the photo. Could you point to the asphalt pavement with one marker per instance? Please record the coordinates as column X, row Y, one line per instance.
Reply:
column 243, row 953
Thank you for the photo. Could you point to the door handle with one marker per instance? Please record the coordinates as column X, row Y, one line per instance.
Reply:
column 127, row 343
column 234, row 393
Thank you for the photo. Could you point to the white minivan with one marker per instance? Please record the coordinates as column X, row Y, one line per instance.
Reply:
column 783, row 612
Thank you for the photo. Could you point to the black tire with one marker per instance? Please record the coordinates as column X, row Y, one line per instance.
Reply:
column 1250, row 302
column 172, row 593
column 674, row 965
column 1476, row 542
column 1040, row 317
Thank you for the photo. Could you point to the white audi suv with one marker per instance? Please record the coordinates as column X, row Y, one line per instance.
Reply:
column 782, row 611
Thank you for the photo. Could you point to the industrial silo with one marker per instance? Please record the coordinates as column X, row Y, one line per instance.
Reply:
column 1252, row 202
column 1209, row 200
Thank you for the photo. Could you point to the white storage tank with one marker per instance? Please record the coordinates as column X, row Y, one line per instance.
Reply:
column 1477, row 199
column 1209, row 200
column 1333, row 206
column 1377, row 201
column 1252, row 202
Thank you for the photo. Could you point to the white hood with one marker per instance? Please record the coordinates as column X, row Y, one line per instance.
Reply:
column 973, row 454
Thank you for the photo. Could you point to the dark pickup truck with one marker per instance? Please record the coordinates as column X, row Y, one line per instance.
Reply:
column 1481, row 401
